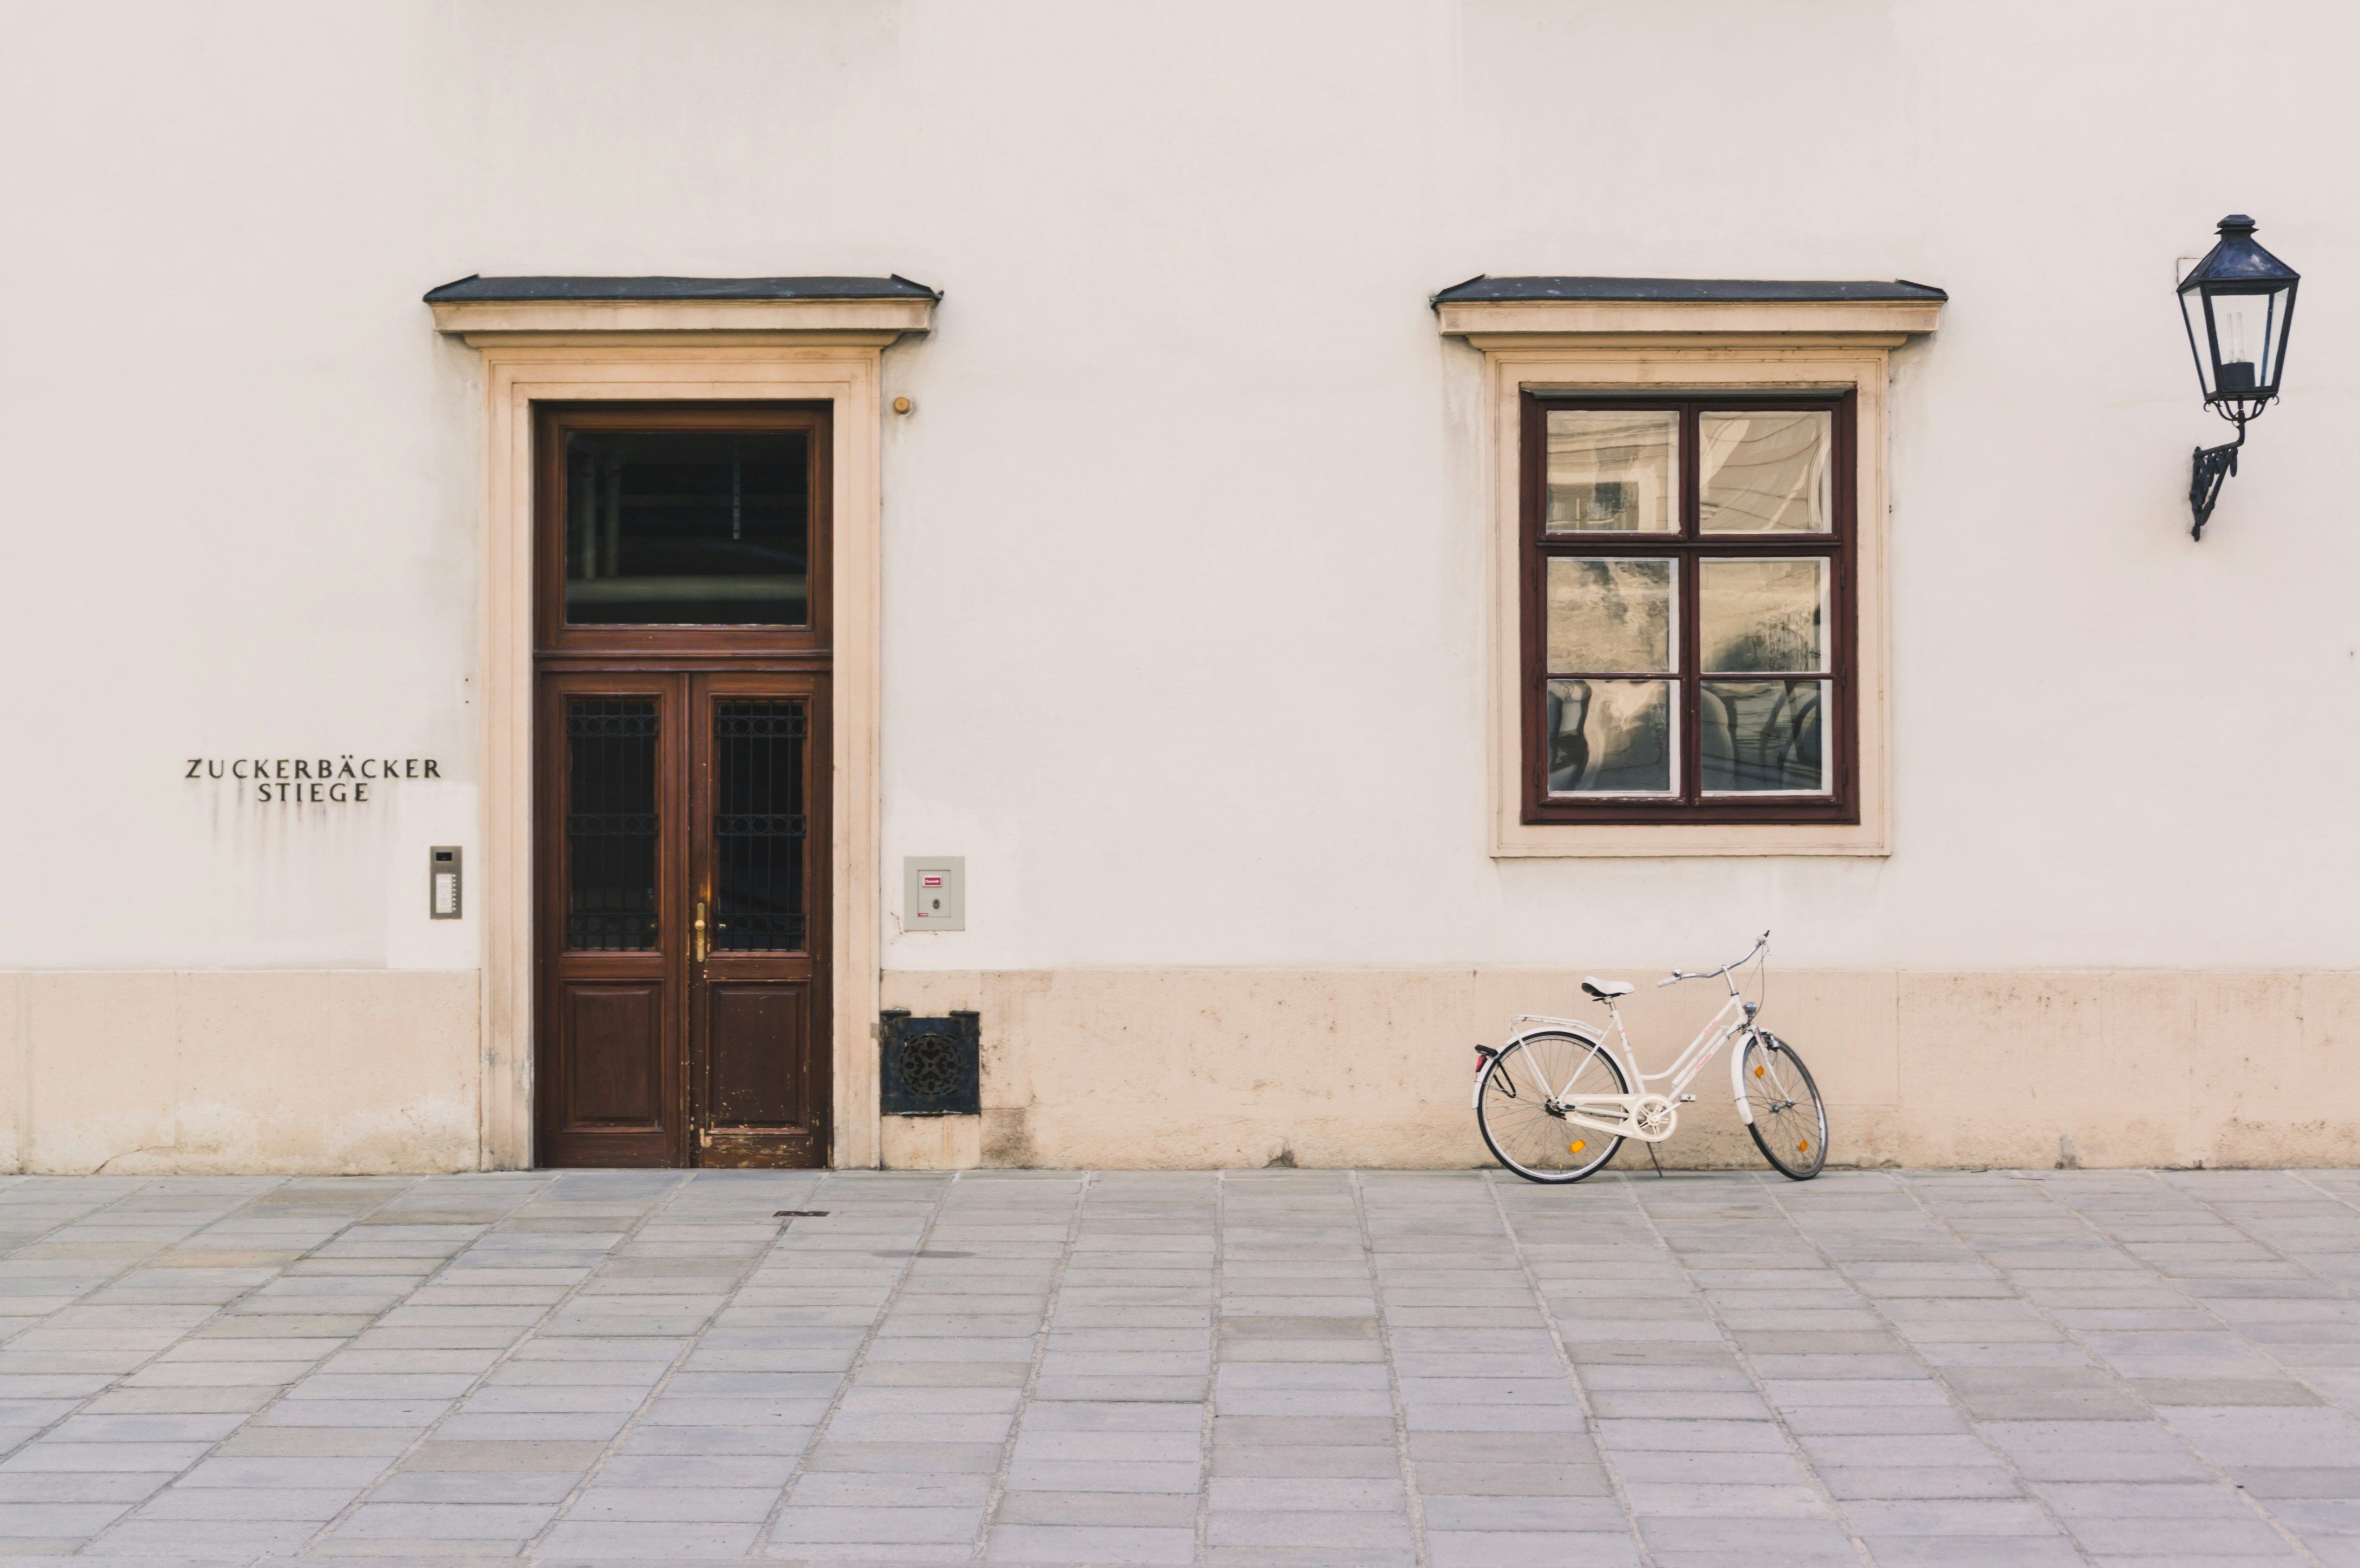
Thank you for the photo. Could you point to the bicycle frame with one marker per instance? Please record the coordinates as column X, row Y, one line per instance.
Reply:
column 1645, row 1113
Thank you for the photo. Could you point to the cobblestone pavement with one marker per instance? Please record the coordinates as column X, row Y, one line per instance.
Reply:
column 1281, row 1367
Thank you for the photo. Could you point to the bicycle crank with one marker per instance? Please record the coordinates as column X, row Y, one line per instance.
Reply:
column 1653, row 1117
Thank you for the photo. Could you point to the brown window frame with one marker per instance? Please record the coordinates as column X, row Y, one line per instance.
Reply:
column 554, row 634
column 1840, row 731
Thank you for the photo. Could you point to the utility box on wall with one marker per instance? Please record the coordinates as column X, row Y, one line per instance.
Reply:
column 931, row 1067
column 933, row 894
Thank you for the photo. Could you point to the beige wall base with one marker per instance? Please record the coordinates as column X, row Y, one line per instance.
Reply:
column 1182, row 1067
column 361, row 1071
column 932, row 1143
column 289, row 1073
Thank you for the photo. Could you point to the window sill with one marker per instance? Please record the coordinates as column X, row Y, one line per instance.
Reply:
column 1523, row 841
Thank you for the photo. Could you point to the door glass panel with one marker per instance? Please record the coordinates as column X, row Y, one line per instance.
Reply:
column 1766, row 472
column 1607, row 615
column 1764, row 736
column 684, row 527
column 1764, row 614
column 610, row 823
column 1610, row 737
column 757, row 826
column 1611, row 471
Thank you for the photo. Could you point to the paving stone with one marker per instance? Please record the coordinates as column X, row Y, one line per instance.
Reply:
column 1531, row 1549
column 1165, row 1510
column 318, row 1505
column 667, row 1542
column 57, row 1520
column 1095, row 1544
column 973, row 1458
column 1293, row 1493
column 1307, row 1460
column 189, row 1543
column 1578, row 1514
column 798, row 1524
column 445, row 1521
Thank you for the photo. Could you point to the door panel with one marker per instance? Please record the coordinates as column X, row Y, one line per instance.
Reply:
column 612, row 980
column 757, row 1039
column 758, row 1057
column 616, row 1064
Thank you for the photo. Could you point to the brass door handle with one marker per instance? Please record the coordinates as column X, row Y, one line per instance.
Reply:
column 700, row 945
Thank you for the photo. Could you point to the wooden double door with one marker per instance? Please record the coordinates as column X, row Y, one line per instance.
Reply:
column 681, row 637
column 683, row 919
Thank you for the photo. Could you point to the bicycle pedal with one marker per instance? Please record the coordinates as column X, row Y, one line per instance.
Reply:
column 1687, row 1099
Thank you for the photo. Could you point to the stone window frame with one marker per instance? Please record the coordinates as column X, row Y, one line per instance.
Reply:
column 1702, row 346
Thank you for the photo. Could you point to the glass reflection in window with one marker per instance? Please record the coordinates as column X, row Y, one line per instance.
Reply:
column 1611, row 471
column 1761, row 615
column 1765, row 472
column 687, row 527
column 1610, row 617
column 1764, row 736
column 1611, row 737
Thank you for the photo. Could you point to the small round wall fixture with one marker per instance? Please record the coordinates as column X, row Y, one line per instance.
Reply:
column 2239, row 305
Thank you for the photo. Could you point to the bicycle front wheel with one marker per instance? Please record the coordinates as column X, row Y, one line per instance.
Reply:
column 1789, row 1125
column 1523, row 1134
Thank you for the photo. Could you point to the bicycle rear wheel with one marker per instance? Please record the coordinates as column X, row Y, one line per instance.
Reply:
column 1523, row 1133
column 1790, row 1124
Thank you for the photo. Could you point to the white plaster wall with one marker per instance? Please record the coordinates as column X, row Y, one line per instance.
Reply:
column 1184, row 570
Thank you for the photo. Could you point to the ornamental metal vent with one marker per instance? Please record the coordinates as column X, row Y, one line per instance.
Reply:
column 931, row 1067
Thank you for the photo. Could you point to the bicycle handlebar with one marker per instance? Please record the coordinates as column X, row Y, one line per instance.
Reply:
column 1676, row 976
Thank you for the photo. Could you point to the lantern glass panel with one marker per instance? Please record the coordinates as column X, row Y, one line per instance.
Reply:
column 2240, row 339
column 2200, row 336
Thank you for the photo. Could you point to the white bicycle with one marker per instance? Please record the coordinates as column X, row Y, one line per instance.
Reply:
column 1556, row 1102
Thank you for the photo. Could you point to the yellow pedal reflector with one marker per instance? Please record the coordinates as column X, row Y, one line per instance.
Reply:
column 1577, row 1145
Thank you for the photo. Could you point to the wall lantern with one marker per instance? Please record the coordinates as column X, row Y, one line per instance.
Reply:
column 2239, row 302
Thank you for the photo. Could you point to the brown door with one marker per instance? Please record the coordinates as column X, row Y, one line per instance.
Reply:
column 757, row 877
column 681, row 813
column 684, row 1008
column 614, row 964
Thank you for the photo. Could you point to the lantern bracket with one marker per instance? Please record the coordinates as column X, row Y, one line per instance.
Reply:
column 2214, row 465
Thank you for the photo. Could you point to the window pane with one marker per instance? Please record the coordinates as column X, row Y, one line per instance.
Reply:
column 1610, row 737
column 1613, row 472
column 610, row 823
column 1607, row 615
column 1763, row 614
column 673, row 527
column 1767, row 473
column 1759, row 736
column 759, row 826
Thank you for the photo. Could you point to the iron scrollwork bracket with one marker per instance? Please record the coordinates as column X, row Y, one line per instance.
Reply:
column 2214, row 464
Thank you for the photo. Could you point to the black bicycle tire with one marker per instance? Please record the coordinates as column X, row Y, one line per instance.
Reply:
column 1614, row 1144
column 1819, row 1107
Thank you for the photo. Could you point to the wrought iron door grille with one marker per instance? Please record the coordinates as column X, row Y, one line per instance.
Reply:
column 610, row 825
column 759, row 721
column 759, row 826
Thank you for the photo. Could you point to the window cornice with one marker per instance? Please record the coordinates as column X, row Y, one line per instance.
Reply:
column 1510, row 313
column 862, row 312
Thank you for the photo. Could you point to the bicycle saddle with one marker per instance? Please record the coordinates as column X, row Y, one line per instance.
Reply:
column 1607, row 990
